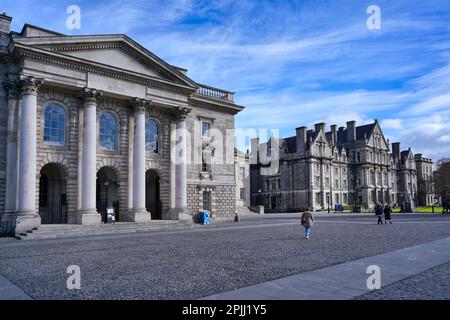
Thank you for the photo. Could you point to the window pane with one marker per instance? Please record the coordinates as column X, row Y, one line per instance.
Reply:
column 107, row 128
column 151, row 136
column 54, row 125
column 205, row 129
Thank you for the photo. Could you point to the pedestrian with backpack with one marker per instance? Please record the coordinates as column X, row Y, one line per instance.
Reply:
column 307, row 221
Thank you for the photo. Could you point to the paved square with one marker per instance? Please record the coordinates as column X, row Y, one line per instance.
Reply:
column 207, row 260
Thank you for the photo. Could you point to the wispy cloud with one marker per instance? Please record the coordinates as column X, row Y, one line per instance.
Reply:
column 294, row 62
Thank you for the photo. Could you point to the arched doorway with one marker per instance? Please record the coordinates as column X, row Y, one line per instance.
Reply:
column 52, row 194
column 152, row 198
column 107, row 192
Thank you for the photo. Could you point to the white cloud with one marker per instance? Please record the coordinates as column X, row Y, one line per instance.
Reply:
column 445, row 138
column 391, row 124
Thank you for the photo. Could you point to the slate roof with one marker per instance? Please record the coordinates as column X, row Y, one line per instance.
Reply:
column 361, row 133
column 291, row 144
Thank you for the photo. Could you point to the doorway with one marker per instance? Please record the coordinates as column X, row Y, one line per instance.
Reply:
column 107, row 192
column 152, row 195
column 52, row 194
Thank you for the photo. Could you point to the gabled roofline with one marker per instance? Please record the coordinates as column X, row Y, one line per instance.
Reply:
column 111, row 37
column 76, row 60
column 27, row 25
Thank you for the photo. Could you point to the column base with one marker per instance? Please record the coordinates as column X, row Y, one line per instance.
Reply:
column 139, row 215
column 14, row 223
column 183, row 214
column 88, row 217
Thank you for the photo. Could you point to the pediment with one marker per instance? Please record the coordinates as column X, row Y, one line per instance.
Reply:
column 115, row 57
column 117, row 51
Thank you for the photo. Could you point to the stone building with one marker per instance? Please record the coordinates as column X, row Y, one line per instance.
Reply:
column 425, row 182
column 353, row 166
column 242, row 176
column 90, row 122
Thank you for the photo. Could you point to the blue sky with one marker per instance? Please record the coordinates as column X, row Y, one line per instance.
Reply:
column 293, row 63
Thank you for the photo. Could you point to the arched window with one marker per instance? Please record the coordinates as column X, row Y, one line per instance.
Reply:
column 108, row 129
column 151, row 136
column 54, row 125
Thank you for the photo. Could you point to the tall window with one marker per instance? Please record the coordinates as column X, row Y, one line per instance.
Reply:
column 206, row 127
column 242, row 172
column 54, row 125
column 108, row 131
column 151, row 136
column 242, row 194
column 207, row 200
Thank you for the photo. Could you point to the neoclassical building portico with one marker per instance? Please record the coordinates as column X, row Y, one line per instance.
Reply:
column 91, row 122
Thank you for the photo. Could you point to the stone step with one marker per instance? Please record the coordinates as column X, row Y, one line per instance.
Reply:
column 51, row 228
column 59, row 231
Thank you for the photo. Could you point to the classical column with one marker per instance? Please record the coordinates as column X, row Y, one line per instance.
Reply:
column 26, row 217
column 11, row 147
column 181, row 164
column 173, row 215
column 88, row 213
column 139, row 213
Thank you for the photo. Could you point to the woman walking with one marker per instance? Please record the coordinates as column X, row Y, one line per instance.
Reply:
column 307, row 221
column 387, row 214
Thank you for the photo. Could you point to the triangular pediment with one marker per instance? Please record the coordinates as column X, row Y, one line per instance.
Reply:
column 117, row 51
column 115, row 57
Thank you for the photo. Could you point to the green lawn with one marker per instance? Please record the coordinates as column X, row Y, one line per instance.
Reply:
column 429, row 209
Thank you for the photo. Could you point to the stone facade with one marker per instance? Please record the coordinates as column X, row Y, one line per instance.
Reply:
column 91, row 122
column 242, row 174
column 425, row 183
column 353, row 166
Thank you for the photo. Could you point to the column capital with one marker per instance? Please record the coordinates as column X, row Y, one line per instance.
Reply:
column 29, row 84
column 90, row 94
column 139, row 105
column 181, row 112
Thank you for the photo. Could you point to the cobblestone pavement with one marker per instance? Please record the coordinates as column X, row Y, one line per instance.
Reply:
column 211, row 259
column 433, row 284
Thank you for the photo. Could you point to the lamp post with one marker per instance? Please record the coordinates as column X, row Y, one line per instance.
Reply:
column 106, row 191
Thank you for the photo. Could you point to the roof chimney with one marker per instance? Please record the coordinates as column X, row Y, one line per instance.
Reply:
column 334, row 134
column 5, row 23
column 351, row 130
column 319, row 126
column 301, row 139
column 396, row 150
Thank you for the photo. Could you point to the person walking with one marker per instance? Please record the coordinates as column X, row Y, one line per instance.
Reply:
column 379, row 213
column 445, row 206
column 307, row 221
column 387, row 214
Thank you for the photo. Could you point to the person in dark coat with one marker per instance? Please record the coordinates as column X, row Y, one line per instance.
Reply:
column 387, row 214
column 446, row 206
column 379, row 213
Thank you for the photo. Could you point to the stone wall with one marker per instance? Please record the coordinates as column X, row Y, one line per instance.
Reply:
column 66, row 156
column 223, row 201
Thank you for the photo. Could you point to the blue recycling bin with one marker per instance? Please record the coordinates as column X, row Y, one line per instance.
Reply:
column 338, row 208
column 203, row 217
